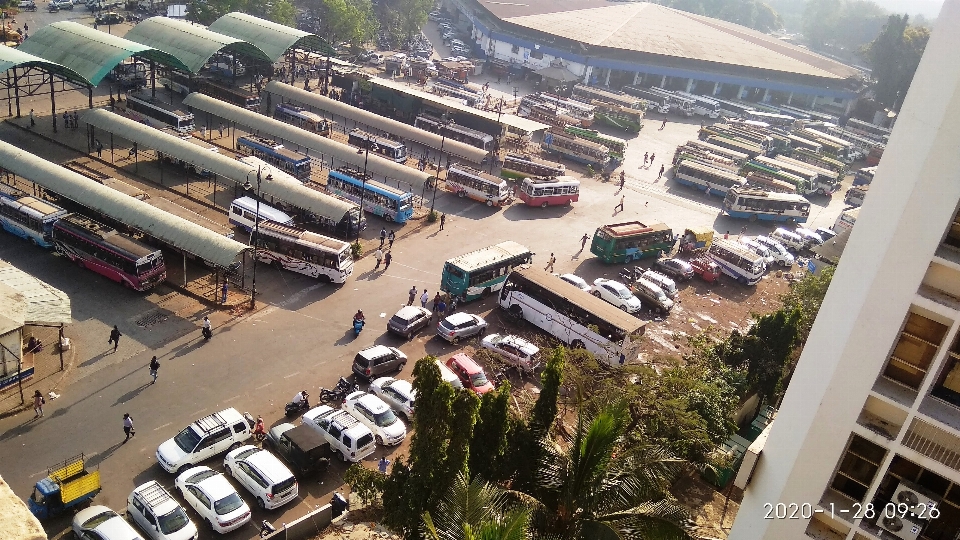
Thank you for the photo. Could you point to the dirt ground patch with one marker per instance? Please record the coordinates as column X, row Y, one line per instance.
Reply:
column 706, row 505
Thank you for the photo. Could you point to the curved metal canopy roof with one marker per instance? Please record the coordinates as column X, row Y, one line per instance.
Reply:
column 90, row 53
column 192, row 44
column 285, row 132
column 289, row 191
column 176, row 231
column 272, row 38
column 11, row 58
column 405, row 131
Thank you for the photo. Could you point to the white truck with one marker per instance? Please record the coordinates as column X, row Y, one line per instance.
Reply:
column 346, row 435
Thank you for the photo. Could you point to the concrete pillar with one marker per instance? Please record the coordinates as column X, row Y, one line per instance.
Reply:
column 716, row 88
column 636, row 78
column 740, row 92
column 606, row 81
column 663, row 82
column 912, row 202
column 766, row 95
column 586, row 74
column 690, row 82
column 790, row 98
column 813, row 103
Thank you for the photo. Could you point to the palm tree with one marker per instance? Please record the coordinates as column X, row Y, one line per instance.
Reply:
column 476, row 511
column 588, row 491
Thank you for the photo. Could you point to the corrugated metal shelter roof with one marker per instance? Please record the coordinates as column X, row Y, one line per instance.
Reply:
column 11, row 58
column 655, row 29
column 285, row 132
column 521, row 124
column 90, row 53
column 28, row 300
column 405, row 131
column 192, row 44
column 272, row 38
column 178, row 232
column 290, row 191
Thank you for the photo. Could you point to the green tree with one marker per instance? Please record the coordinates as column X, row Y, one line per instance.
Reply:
column 283, row 12
column 841, row 27
column 591, row 490
column 764, row 351
column 894, row 56
column 489, row 444
column 352, row 21
column 475, row 511
column 545, row 409
column 411, row 15
column 463, row 417
column 806, row 296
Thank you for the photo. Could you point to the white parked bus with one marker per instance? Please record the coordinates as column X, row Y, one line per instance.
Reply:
column 846, row 220
column 477, row 185
column 737, row 261
column 701, row 176
column 756, row 205
column 304, row 252
column 569, row 314
column 243, row 213
column 827, row 181
column 703, row 105
column 153, row 112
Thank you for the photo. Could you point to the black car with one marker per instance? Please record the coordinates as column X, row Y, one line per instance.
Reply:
column 301, row 446
column 109, row 18
column 675, row 268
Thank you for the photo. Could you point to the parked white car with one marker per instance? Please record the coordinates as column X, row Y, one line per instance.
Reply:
column 101, row 523
column 576, row 281
column 615, row 293
column 517, row 351
column 397, row 393
column 158, row 514
column 263, row 475
column 780, row 254
column 349, row 438
column 372, row 412
column 203, row 439
column 214, row 498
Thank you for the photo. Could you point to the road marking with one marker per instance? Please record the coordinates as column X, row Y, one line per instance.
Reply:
column 195, row 413
column 163, row 426
column 43, row 472
column 264, row 385
column 294, row 374
column 228, row 400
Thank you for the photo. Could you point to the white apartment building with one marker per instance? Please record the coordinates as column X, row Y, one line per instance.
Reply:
column 867, row 439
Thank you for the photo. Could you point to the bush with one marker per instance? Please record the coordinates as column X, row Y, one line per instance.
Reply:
column 590, row 172
column 356, row 249
column 366, row 483
column 432, row 216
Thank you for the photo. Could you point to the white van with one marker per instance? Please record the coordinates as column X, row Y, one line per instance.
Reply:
column 760, row 250
column 243, row 213
column 376, row 59
column 779, row 253
column 789, row 239
column 668, row 285
column 449, row 376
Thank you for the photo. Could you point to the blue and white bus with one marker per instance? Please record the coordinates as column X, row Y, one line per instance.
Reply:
column 388, row 202
column 756, row 205
column 293, row 163
column 737, row 261
column 30, row 218
column 390, row 149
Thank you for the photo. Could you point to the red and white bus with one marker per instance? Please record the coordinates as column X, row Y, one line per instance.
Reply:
column 104, row 250
column 544, row 192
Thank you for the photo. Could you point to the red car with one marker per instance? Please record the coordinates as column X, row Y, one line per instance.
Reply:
column 706, row 269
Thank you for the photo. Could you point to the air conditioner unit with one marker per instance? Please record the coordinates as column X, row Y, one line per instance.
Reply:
column 912, row 496
column 901, row 528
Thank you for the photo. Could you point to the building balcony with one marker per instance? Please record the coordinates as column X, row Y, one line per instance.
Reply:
column 841, row 506
column 934, row 443
column 882, row 418
column 821, row 530
column 895, row 392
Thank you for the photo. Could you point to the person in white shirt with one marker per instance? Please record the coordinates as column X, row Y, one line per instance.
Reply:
column 300, row 397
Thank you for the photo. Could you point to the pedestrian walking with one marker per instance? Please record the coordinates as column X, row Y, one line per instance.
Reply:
column 443, row 220
column 33, row 121
column 26, row 27
column 391, row 236
column 114, row 337
column 441, row 309
column 38, row 402
column 203, row 132
column 652, row 157
column 383, row 236
column 383, row 464
column 386, row 261
column 221, row 130
column 583, row 241
column 413, row 295
column 550, row 263
column 646, row 157
column 620, row 206
column 66, row 119
column 424, row 298
column 99, row 148
column 76, row 119
column 154, row 368
column 436, row 300
column 128, row 427
column 623, row 179
column 378, row 255
column 663, row 125
column 662, row 167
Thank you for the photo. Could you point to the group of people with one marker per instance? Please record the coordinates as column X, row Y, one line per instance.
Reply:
column 71, row 120
column 442, row 304
column 379, row 254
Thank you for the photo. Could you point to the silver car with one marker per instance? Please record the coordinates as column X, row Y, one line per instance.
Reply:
column 461, row 325
column 396, row 393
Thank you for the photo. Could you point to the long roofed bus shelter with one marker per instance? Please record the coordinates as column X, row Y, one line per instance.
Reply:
column 320, row 145
column 366, row 118
column 289, row 191
column 179, row 233
column 17, row 65
column 272, row 38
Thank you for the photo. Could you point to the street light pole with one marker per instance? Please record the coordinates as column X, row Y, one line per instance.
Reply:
column 436, row 183
column 363, row 190
column 256, row 232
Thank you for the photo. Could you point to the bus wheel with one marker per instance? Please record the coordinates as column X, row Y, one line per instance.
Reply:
column 577, row 344
column 485, row 292
column 489, row 202
column 742, row 280
column 81, row 264
column 753, row 218
column 461, row 194
column 791, row 220
column 388, row 217
column 544, row 204
column 516, row 312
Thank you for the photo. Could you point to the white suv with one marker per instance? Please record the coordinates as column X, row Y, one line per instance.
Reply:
column 158, row 514
column 372, row 412
column 203, row 439
column 616, row 293
column 346, row 435
column 212, row 496
column 270, row 481
column 780, row 254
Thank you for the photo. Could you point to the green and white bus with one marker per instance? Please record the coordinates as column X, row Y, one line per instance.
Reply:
column 625, row 242
column 478, row 273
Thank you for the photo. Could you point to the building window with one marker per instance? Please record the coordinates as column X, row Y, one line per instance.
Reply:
column 914, row 351
column 536, row 54
column 857, row 468
column 515, row 49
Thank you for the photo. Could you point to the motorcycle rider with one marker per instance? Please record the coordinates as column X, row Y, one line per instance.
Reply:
column 301, row 399
column 205, row 330
column 259, row 430
column 359, row 316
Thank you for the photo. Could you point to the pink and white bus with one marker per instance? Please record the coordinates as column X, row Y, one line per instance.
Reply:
column 544, row 192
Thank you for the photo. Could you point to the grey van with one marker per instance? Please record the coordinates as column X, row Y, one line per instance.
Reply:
column 668, row 285
column 377, row 361
column 652, row 296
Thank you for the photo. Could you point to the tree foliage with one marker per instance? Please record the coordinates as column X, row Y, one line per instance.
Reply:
column 463, row 417
column 841, row 27
column 207, row 11
column 489, row 445
column 755, row 14
column 352, row 21
column 764, row 352
column 366, row 483
column 525, row 439
column 806, row 296
column 894, row 56
column 476, row 510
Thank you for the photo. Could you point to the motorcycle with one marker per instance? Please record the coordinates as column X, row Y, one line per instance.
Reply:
column 294, row 409
column 339, row 392
column 357, row 327
column 207, row 333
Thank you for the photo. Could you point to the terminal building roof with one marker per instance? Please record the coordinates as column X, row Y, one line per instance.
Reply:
column 191, row 44
column 271, row 38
